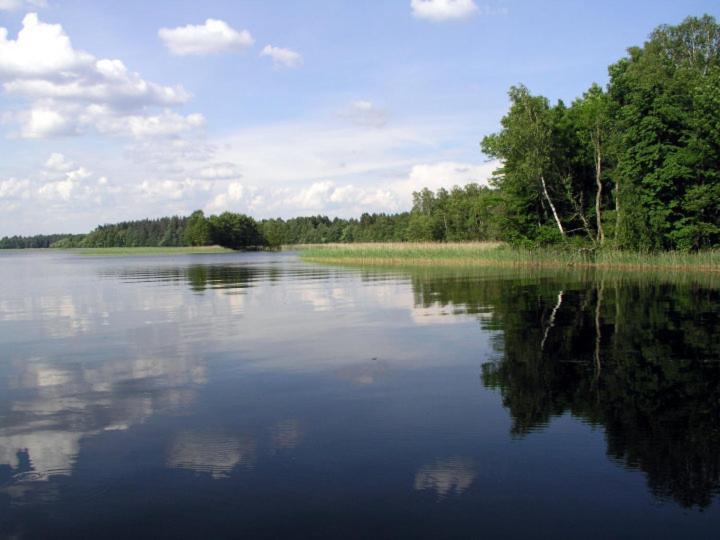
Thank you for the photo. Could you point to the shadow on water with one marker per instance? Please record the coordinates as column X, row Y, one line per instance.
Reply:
column 637, row 355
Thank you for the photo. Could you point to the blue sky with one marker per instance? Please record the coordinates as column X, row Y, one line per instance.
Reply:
column 122, row 110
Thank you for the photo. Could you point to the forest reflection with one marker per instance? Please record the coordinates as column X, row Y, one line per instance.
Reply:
column 638, row 356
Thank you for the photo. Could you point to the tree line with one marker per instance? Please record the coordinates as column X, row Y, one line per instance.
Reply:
column 634, row 165
column 459, row 214
column 37, row 241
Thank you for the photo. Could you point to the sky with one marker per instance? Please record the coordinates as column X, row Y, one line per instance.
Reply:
column 111, row 111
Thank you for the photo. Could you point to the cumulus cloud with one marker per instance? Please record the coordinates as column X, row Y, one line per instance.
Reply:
column 14, row 188
column 327, row 197
column 230, row 198
column 346, row 199
column 58, row 162
column 173, row 189
column 70, row 91
column 62, row 181
column 44, row 121
column 443, row 10
column 324, row 196
column 332, row 166
column 443, row 174
column 57, row 190
column 40, row 49
column 213, row 36
column 282, row 57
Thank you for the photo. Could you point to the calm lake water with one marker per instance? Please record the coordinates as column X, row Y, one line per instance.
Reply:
column 254, row 395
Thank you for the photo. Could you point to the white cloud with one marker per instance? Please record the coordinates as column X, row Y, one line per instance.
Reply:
column 443, row 10
column 58, row 162
column 171, row 155
column 329, row 166
column 229, row 199
column 220, row 171
column 13, row 5
column 348, row 199
column 319, row 197
column 105, row 81
column 40, row 49
column 444, row 174
column 370, row 199
column 70, row 91
column 14, row 188
column 298, row 154
column 174, row 189
column 365, row 113
column 213, row 36
column 76, row 183
column 43, row 121
column 167, row 123
column 282, row 57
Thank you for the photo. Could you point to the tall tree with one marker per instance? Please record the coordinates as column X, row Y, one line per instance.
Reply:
column 197, row 230
column 594, row 128
column 524, row 145
column 235, row 231
column 664, row 95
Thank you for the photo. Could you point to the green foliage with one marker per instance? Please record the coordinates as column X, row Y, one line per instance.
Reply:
column 235, row 231
column 197, row 230
column 641, row 160
column 40, row 241
column 163, row 232
column 68, row 242
column 465, row 213
column 667, row 113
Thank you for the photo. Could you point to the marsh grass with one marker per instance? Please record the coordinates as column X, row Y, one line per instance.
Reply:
column 135, row 251
column 499, row 254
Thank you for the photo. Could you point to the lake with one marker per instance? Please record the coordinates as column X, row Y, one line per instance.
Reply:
column 255, row 395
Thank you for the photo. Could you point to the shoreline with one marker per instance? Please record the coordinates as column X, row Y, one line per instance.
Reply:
column 502, row 256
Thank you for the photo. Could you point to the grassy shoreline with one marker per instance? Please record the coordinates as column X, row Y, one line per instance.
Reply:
column 498, row 254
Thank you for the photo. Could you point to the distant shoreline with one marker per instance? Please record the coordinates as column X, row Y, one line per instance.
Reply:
column 448, row 254
column 130, row 251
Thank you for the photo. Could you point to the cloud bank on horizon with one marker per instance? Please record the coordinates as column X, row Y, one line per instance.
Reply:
column 122, row 112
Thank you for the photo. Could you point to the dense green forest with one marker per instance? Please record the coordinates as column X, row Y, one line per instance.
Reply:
column 38, row 241
column 635, row 165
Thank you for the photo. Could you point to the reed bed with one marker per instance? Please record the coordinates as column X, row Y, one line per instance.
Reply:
column 499, row 254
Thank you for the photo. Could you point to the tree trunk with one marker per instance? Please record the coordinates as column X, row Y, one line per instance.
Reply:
column 552, row 206
column 617, row 209
column 552, row 320
column 598, row 195
column 598, row 335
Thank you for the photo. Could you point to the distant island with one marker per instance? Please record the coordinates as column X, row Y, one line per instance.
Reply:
column 634, row 166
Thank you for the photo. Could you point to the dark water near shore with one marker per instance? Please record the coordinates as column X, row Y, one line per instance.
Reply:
column 253, row 395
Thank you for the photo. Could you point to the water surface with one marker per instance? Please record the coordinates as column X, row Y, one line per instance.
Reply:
column 255, row 395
